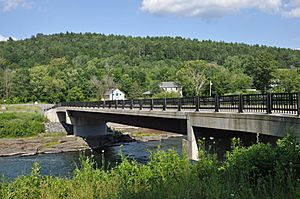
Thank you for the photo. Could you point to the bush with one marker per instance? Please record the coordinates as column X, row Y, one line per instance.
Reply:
column 21, row 124
column 259, row 171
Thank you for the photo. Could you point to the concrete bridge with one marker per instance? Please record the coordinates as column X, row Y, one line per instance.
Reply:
column 268, row 116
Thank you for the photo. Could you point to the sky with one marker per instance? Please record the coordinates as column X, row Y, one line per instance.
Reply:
column 264, row 22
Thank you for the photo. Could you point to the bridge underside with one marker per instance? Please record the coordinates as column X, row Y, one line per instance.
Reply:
column 164, row 124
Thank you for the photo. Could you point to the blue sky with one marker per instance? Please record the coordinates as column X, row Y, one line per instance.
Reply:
column 265, row 22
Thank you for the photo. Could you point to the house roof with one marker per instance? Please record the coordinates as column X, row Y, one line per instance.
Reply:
column 169, row 85
column 110, row 91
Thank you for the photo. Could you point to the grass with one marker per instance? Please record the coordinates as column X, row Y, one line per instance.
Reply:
column 52, row 135
column 50, row 139
column 21, row 124
column 259, row 171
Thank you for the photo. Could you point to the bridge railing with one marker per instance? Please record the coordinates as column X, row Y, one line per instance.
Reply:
column 283, row 103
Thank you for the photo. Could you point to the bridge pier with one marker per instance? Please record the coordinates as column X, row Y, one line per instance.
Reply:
column 88, row 127
column 191, row 144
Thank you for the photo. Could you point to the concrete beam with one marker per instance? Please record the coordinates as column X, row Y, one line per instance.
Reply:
column 266, row 124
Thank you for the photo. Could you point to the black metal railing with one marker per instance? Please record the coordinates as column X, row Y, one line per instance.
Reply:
column 281, row 103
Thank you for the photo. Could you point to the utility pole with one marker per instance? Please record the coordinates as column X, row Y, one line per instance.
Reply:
column 210, row 84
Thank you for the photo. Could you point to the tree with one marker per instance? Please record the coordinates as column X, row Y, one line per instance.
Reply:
column 75, row 94
column 21, row 85
column 7, row 82
column 192, row 77
column 135, row 91
column 261, row 69
column 102, row 85
column 286, row 81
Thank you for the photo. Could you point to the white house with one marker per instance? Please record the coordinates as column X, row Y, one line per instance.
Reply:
column 114, row 94
column 171, row 87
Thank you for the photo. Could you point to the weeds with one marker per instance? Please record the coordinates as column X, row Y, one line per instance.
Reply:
column 259, row 171
column 21, row 124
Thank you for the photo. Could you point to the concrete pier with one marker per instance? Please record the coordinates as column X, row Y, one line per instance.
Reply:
column 88, row 127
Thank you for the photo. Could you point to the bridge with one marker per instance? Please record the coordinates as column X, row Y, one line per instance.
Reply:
column 265, row 115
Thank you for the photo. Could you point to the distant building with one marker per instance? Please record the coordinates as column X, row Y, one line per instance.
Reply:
column 171, row 87
column 114, row 94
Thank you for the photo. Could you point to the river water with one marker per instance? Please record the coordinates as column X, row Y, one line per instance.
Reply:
column 63, row 164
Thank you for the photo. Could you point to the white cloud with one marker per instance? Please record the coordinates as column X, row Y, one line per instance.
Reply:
column 3, row 38
column 9, row 5
column 291, row 8
column 217, row 8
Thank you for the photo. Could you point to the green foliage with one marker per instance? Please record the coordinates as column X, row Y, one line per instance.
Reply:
column 59, row 67
column 286, row 80
column 288, row 154
column 197, row 75
column 262, row 69
column 75, row 94
column 259, row 171
column 165, row 94
column 253, row 162
column 21, row 124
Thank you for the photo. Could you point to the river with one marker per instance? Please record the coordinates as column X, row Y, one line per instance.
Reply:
column 63, row 164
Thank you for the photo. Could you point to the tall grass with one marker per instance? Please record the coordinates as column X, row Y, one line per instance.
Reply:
column 259, row 171
column 21, row 124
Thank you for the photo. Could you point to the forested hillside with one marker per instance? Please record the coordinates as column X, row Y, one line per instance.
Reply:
column 71, row 67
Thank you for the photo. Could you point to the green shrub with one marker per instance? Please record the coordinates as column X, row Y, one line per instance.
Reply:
column 259, row 171
column 21, row 124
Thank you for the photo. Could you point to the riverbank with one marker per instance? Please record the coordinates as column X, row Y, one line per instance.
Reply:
column 42, row 143
column 60, row 142
column 141, row 134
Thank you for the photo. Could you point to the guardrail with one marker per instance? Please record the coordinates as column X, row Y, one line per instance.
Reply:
column 284, row 103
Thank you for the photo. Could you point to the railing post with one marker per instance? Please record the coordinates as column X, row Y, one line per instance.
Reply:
column 141, row 104
column 241, row 104
column 217, row 103
column 151, row 104
column 131, row 104
column 179, row 104
column 269, row 103
column 123, row 104
column 104, row 104
column 197, row 104
column 164, row 104
column 298, row 104
column 116, row 104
